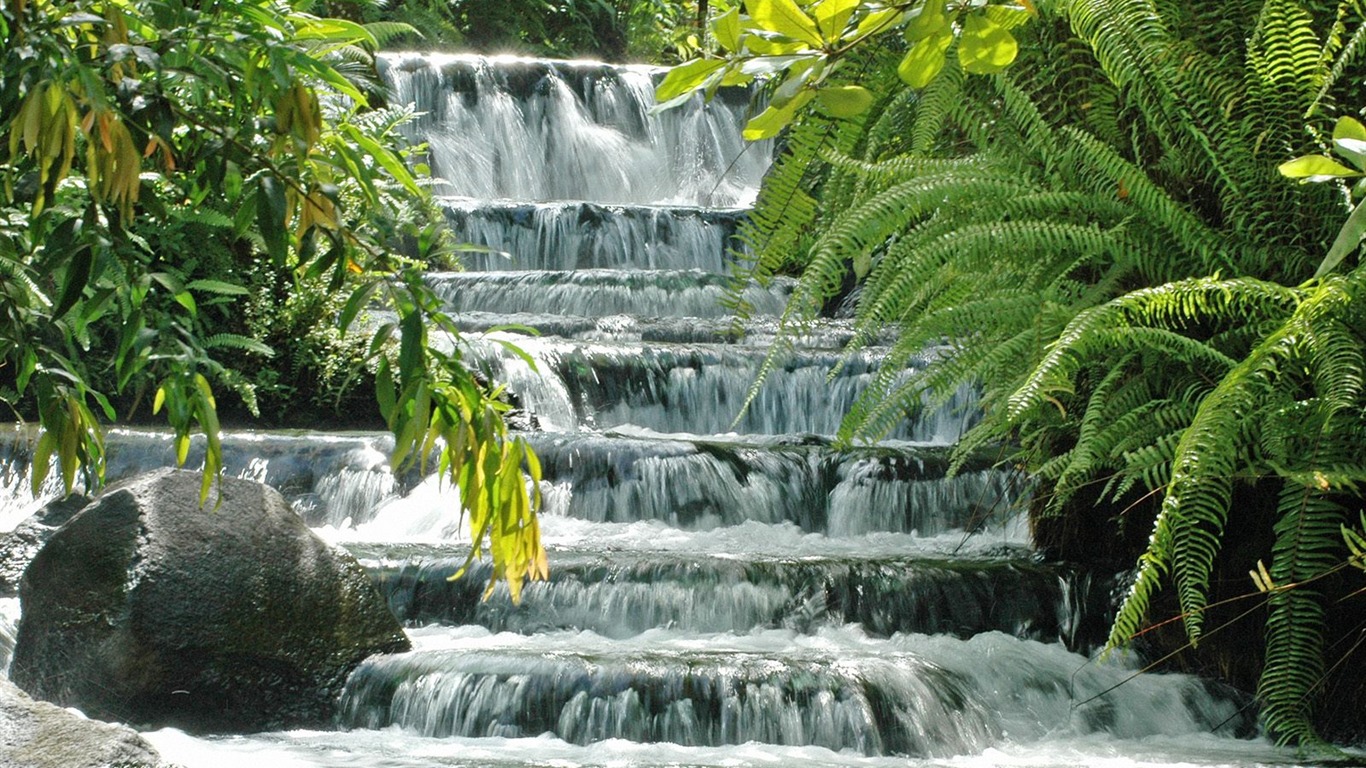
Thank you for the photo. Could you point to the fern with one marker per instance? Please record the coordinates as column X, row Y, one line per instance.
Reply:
column 1098, row 244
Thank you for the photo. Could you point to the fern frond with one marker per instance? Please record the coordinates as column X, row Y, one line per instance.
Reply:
column 237, row 342
column 1307, row 546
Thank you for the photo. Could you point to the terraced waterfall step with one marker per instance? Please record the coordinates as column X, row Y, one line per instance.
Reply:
column 727, row 589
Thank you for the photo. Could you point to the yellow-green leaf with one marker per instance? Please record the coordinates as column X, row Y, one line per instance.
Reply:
column 931, row 21
column 986, row 47
column 832, row 16
column 42, row 461
column 863, row 262
column 1316, row 167
column 1348, row 240
column 774, row 119
column 335, row 30
column 1349, row 128
column 1351, row 149
column 877, row 21
column 845, row 101
column 1009, row 16
column 924, row 60
column 726, row 29
column 769, row 44
column 785, row 18
column 688, row 77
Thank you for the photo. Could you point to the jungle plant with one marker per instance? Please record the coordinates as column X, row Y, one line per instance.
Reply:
column 1098, row 239
column 157, row 153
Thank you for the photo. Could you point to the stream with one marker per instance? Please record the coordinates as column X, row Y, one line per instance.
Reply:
column 723, row 592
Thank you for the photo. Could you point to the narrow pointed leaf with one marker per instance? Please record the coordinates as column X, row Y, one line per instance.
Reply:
column 1347, row 241
column 1315, row 167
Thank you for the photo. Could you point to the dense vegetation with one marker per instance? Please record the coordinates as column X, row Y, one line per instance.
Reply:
column 1096, row 236
column 190, row 190
column 611, row 30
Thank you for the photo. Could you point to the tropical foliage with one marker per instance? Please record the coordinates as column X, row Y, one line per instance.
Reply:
column 1099, row 240
column 611, row 30
column 166, row 164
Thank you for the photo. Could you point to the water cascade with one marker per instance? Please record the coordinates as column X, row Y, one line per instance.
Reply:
column 723, row 592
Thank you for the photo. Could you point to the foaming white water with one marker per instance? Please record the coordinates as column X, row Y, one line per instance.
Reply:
column 567, row 235
column 600, row 292
column 9, row 631
column 910, row 694
column 528, row 129
column 753, row 539
column 399, row 748
column 701, row 388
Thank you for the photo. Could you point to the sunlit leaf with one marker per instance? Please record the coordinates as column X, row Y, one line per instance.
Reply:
column 1347, row 241
column 785, row 18
column 832, row 16
column 688, row 77
column 845, row 101
column 773, row 120
column 726, row 29
column 924, row 60
column 1316, row 167
column 876, row 22
column 986, row 47
column 1351, row 149
column 932, row 21
column 1349, row 128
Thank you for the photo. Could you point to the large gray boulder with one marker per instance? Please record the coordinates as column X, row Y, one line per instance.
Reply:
column 21, row 545
column 35, row 734
column 150, row 609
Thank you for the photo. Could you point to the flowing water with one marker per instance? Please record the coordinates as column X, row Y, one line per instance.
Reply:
column 723, row 592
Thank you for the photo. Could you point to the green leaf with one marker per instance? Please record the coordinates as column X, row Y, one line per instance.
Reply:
column 334, row 30
column 1349, row 128
column 726, row 29
column 384, row 389
column 1008, row 16
column 358, row 300
column 930, row 22
column 924, row 60
column 862, row 263
column 797, row 76
column 876, row 22
column 764, row 43
column 1349, row 237
column 774, row 119
column 685, row 78
column 986, row 47
column 845, row 101
column 1351, row 149
column 220, row 287
column 1316, row 167
column 768, row 65
column 270, row 218
column 42, row 461
column 785, row 18
column 77, row 277
column 385, row 158
column 411, row 347
column 832, row 16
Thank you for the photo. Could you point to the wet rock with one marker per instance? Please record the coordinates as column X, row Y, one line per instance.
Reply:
column 35, row 734
column 150, row 609
column 20, row 546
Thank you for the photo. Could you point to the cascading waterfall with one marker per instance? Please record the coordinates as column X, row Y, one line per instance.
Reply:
column 724, row 591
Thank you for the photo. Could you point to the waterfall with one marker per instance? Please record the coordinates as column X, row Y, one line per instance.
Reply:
column 727, row 587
